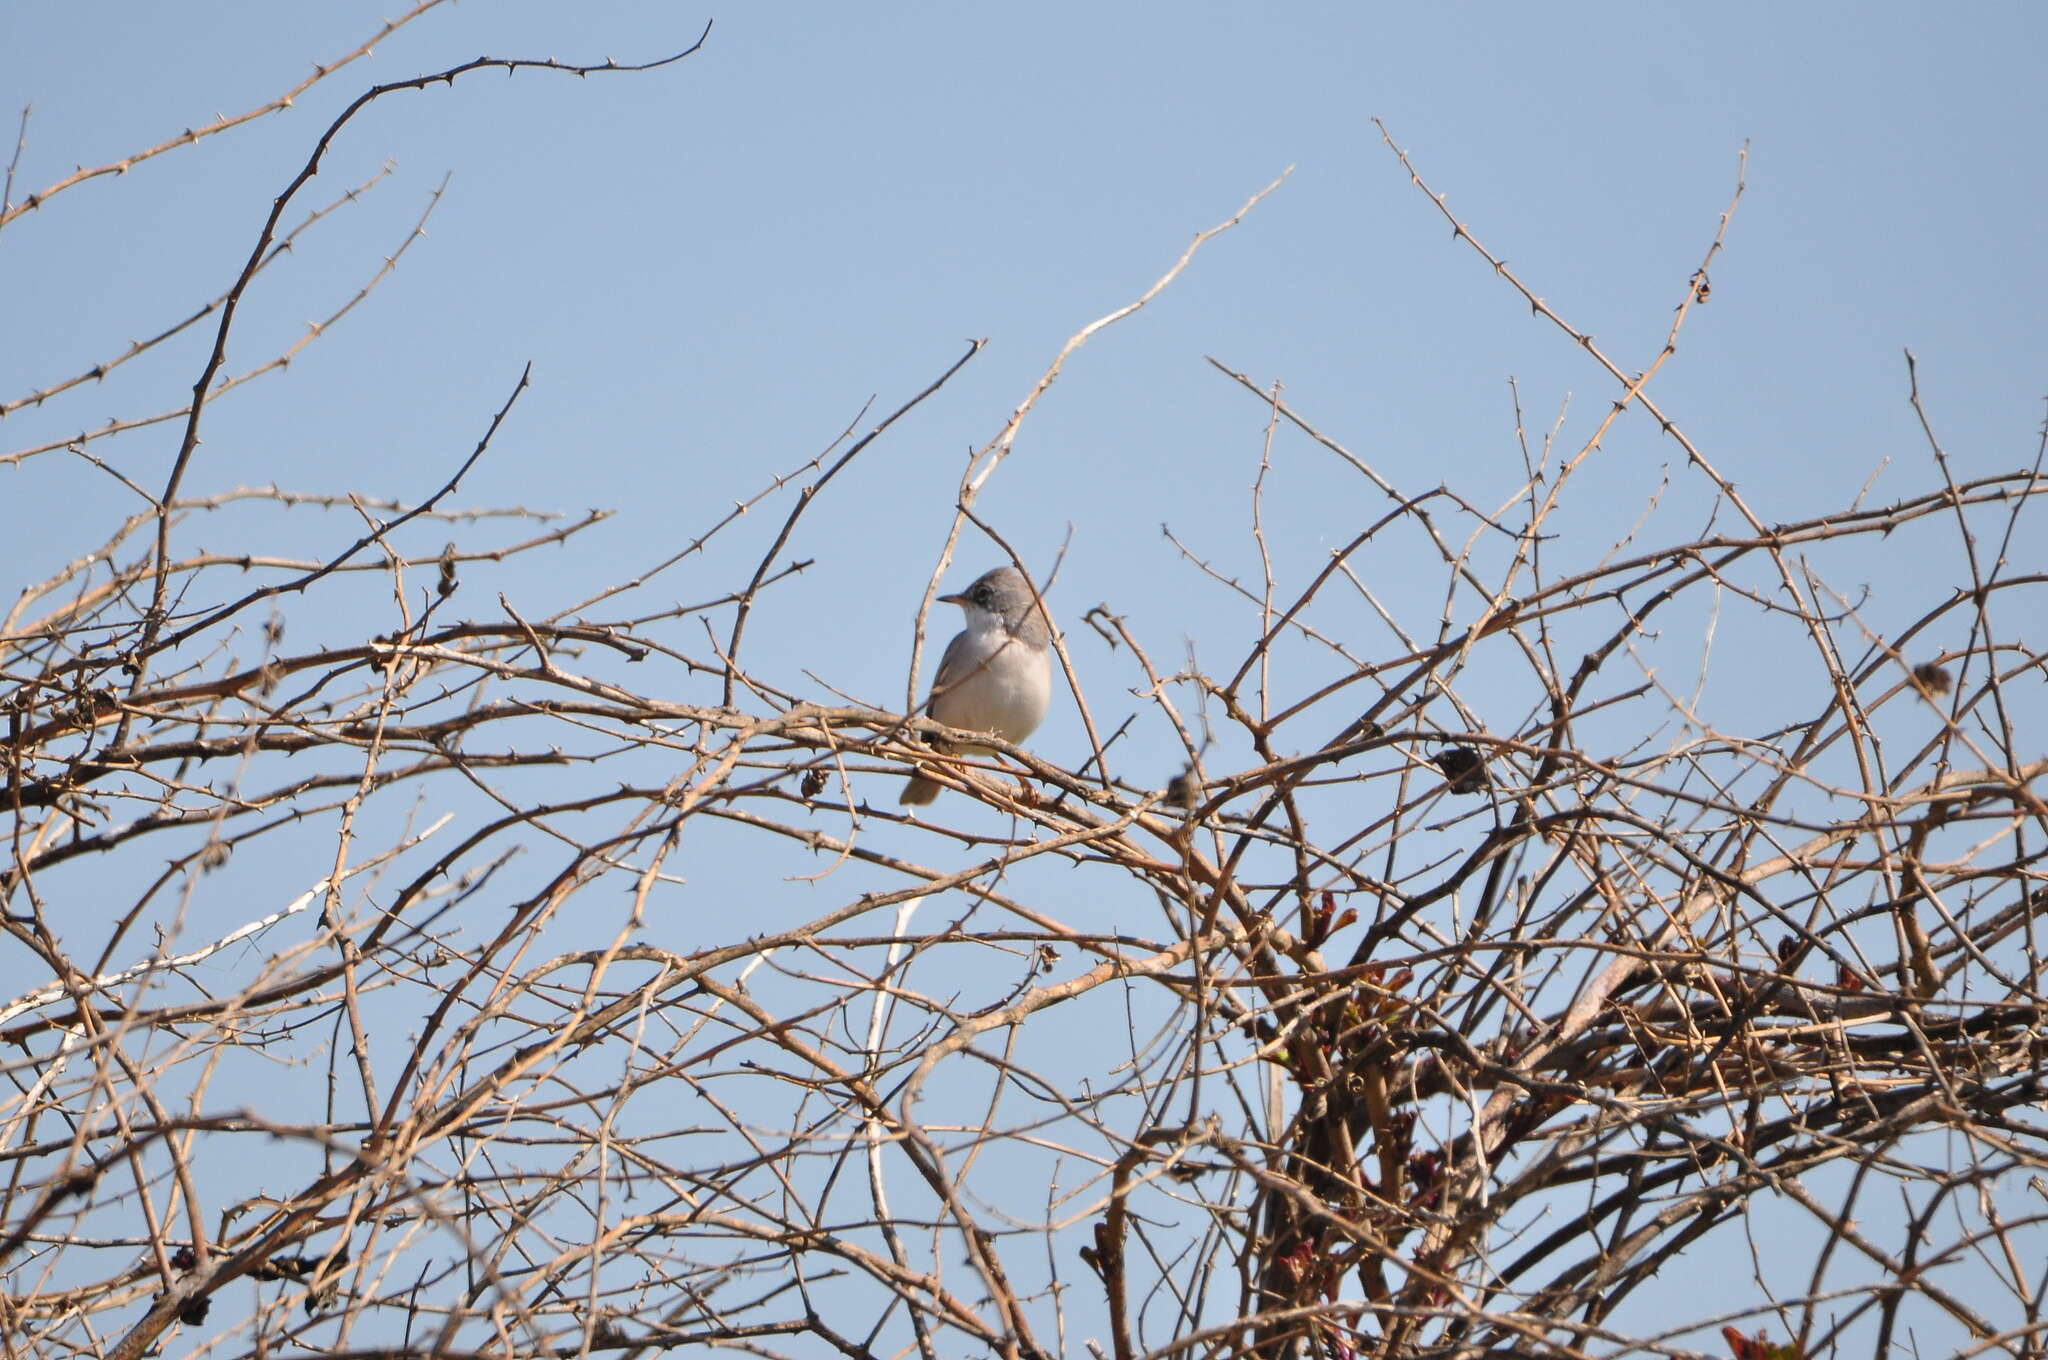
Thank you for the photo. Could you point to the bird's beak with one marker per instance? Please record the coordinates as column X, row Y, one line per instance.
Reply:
column 960, row 600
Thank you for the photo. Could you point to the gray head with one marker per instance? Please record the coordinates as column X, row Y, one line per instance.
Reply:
column 1004, row 595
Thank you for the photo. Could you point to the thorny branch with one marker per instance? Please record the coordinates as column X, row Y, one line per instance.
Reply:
column 1450, row 986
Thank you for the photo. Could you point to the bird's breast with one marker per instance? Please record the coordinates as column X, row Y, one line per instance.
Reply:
column 1005, row 689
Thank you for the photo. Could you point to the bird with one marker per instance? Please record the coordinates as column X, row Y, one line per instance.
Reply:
column 996, row 675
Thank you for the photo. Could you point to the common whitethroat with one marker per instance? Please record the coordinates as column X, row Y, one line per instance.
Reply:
column 995, row 676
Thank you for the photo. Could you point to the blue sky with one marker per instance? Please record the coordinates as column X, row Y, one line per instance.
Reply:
column 714, row 267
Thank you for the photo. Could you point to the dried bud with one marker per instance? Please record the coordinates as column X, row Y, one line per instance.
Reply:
column 1462, row 766
column 1933, row 678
